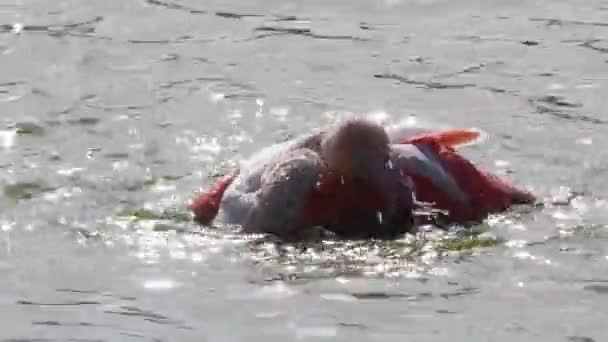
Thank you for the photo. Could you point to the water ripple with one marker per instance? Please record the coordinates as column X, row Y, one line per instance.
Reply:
column 84, row 28
column 270, row 31
column 566, row 22
column 594, row 44
column 424, row 84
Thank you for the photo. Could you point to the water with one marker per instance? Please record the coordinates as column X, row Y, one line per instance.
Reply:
column 113, row 106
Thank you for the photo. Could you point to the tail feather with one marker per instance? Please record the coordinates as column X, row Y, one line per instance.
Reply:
column 453, row 138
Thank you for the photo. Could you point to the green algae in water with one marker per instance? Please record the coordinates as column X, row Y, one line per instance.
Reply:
column 116, row 156
column 143, row 214
column 165, row 227
column 177, row 216
column 29, row 128
column 411, row 249
column 20, row 191
column 169, row 217
column 84, row 121
column 466, row 243
column 156, row 180
column 403, row 249
column 150, row 181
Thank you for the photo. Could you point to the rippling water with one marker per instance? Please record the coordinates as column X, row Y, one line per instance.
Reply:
column 114, row 113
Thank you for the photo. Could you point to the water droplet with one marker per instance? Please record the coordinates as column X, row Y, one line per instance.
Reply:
column 7, row 226
column 560, row 215
column 217, row 97
column 338, row 297
column 524, row 255
column 343, row 280
column 7, row 138
column 501, row 163
column 163, row 187
column 516, row 243
column 585, row 141
column 160, row 284
column 518, row 226
column 379, row 214
column 70, row 171
column 555, row 86
column 17, row 28
column 120, row 165
column 379, row 117
column 268, row 315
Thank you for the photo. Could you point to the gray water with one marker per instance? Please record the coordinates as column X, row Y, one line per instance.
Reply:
column 113, row 106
